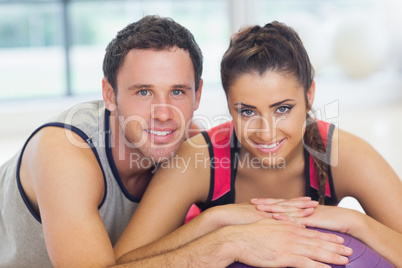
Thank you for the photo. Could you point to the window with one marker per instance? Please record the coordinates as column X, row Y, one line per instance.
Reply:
column 31, row 51
column 56, row 48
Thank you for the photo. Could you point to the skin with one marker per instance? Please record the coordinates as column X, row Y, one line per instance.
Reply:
column 357, row 164
column 165, row 83
column 266, row 242
column 259, row 124
column 273, row 114
column 68, row 188
column 253, row 110
column 158, row 94
column 166, row 221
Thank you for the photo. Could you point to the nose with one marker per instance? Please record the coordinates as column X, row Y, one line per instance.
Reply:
column 162, row 111
column 264, row 130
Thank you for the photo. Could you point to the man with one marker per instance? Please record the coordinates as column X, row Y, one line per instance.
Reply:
column 67, row 197
column 69, row 194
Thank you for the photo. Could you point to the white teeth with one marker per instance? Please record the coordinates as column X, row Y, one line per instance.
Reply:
column 270, row 146
column 159, row 133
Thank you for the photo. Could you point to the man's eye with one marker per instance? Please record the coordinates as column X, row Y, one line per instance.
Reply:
column 143, row 92
column 176, row 92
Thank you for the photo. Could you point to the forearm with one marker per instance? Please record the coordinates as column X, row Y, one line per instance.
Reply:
column 211, row 250
column 266, row 243
column 199, row 226
column 379, row 237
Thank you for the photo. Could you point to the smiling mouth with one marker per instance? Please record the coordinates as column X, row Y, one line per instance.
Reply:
column 159, row 133
column 269, row 146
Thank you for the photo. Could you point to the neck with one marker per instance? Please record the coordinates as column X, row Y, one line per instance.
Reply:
column 277, row 181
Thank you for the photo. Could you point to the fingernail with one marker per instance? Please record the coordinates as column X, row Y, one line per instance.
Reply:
column 340, row 239
column 344, row 259
column 348, row 250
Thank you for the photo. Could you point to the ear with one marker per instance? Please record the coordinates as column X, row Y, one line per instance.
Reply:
column 108, row 95
column 198, row 95
column 310, row 96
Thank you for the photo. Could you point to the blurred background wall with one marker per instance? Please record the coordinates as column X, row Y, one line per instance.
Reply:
column 51, row 54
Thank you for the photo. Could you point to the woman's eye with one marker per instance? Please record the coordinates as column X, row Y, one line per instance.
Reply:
column 143, row 92
column 247, row 112
column 283, row 109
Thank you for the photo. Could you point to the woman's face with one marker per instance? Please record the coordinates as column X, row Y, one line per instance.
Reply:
column 269, row 113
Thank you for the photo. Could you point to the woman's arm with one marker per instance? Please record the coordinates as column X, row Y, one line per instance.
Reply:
column 265, row 243
column 178, row 184
column 381, row 238
column 211, row 220
column 363, row 174
column 150, row 236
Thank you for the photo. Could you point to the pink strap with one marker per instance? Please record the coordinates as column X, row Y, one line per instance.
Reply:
column 323, row 127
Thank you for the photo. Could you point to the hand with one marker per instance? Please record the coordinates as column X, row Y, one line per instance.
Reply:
column 271, row 243
column 235, row 214
column 295, row 207
column 326, row 217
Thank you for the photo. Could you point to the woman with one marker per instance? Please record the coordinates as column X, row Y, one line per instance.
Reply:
column 273, row 149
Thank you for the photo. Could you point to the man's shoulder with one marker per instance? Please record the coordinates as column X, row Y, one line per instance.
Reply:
column 81, row 110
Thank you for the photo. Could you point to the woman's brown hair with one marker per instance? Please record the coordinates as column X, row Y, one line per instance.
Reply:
column 276, row 47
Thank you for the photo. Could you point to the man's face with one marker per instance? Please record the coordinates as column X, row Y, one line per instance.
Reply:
column 155, row 100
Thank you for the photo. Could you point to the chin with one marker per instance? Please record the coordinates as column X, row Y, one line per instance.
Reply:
column 161, row 155
column 273, row 163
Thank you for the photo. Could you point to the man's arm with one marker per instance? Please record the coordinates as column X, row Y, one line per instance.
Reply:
column 266, row 243
column 207, row 251
column 156, row 225
column 64, row 181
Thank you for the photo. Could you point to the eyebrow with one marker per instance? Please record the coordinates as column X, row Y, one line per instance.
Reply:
column 182, row 86
column 139, row 86
column 148, row 86
column 245, row 105
column 270, row 106
column 279, row 103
